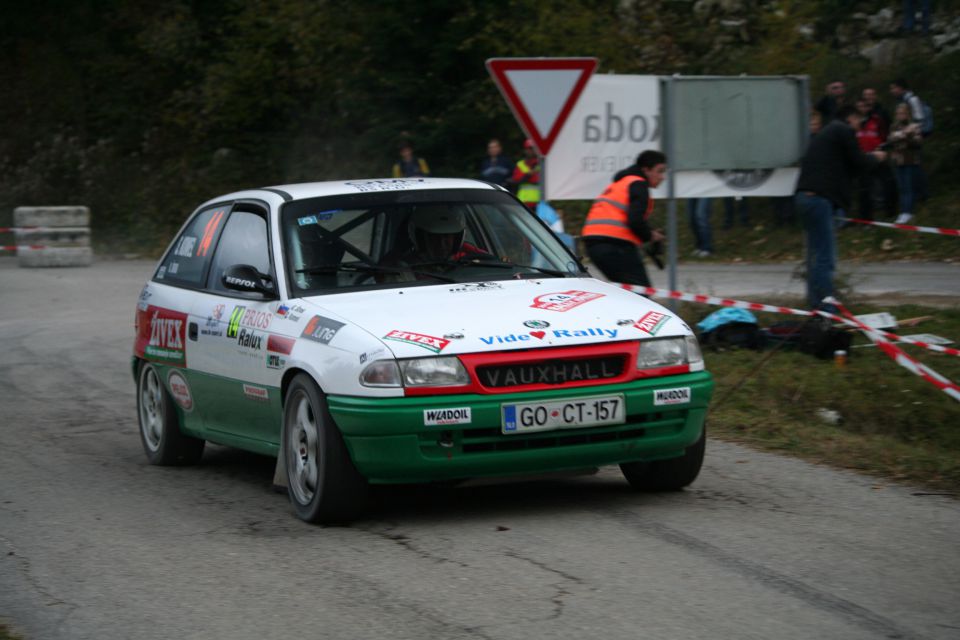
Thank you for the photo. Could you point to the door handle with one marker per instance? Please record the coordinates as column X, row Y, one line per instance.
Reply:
column 192, row 331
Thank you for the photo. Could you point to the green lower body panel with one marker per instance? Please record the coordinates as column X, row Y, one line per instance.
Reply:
column 390, row 441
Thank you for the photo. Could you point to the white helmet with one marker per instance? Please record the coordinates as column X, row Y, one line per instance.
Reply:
column 437, row 231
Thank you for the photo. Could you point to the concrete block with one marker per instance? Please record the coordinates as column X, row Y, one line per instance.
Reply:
column 51, row 217
column 55, row 237
column 55, row 257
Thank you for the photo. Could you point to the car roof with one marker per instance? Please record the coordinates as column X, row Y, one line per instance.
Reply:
column 340, row 187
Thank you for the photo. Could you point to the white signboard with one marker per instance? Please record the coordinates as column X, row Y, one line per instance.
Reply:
column 616, row 118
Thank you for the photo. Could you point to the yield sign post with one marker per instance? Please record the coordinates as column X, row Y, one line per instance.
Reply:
column 541, row 92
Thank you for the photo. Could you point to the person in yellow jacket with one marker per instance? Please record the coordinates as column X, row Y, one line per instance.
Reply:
column 616, row 225
column 526, row 176
column 409, row 166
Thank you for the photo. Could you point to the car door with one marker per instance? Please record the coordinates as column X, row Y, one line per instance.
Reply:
column 162, row 320
column 241, row 396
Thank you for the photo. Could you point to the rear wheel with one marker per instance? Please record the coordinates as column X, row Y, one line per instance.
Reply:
column 322, row 482
column 667, row 475
column 160, row 434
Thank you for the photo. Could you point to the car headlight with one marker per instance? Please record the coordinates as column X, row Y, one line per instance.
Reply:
column 418, row 372
column 381, row 373
column 434, row 372
column 669, row 352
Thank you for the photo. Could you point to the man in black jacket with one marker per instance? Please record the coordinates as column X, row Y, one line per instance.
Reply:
column 832, row 160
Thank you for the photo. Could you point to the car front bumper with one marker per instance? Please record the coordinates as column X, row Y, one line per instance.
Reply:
column 390, row 443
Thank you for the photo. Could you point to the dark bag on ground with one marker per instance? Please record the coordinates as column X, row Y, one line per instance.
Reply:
column 816, row 336
column 745, row 335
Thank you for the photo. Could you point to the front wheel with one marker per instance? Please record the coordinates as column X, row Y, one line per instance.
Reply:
column 667, row 475
column 322, row 482
column 163, row 441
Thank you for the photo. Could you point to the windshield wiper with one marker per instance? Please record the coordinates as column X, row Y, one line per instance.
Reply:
column 370, row 268
column 510, row 265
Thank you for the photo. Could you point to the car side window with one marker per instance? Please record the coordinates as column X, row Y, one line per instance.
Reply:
column 187, row 260
column 244, row 241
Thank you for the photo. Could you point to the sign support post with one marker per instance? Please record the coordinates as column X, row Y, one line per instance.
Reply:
column 667, row 96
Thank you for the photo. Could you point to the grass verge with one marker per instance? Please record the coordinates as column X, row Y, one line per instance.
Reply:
column 892, row 423
column 7, row 634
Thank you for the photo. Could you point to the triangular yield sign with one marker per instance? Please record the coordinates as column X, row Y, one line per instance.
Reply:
column 541, row 92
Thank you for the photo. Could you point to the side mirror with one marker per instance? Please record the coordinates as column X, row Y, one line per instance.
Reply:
column 243, row 277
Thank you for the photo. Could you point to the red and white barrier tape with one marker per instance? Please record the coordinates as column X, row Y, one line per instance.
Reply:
column 12, row 229
column 16, row 247
column 943, row 231
column 901, row 358
column 875, row 336
column 756, row 306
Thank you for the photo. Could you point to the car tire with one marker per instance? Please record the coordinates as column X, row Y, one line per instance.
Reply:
column 667, row 475
column 163, row 441
column 322, row 482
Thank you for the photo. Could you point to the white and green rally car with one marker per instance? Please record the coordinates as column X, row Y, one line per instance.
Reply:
column 411, row 330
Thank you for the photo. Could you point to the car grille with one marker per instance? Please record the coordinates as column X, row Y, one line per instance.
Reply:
column 551, row 372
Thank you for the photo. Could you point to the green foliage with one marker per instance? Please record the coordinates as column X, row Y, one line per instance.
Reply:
column 141, row 110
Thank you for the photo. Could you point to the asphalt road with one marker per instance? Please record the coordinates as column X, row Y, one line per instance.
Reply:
column 95, row 543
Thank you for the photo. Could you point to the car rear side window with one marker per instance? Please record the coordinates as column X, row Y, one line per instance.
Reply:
column 187, row 260
column 244, row 241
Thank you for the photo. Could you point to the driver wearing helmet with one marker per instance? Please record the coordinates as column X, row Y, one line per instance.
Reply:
column 436, row 234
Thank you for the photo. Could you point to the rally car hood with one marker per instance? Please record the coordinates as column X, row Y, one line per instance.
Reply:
column 494, row 316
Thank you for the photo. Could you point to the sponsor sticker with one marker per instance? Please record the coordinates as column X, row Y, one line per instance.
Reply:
column 468, row 287
column 253, row 392
column 145, row 295
column 397, row 184
column 174, row 268
column 455, row 335
column 536, row 324
column 244, row 317
column 322, row 330
column 564, row 300
column 651, row 322
column 161, row 335
column 305, row 220
column 554, row 334
column 250, row 339
column 161, row 272
column 678, row 395
column 274, row 361
column 212, row 325
column 430, row 343
column 185, row 246
column 209, row 231
column 291, row 312
column 180, row 390
column 280, row 344
column 443, row 417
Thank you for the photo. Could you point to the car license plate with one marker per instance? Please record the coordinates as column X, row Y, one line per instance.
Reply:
column 562, row 414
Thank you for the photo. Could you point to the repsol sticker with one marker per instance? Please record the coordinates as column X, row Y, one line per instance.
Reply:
column 564, row 300
column 679, row 395
column 443, row 417
column 180, row 390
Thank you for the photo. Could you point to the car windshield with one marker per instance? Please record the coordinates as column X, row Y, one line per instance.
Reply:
column 417, row 237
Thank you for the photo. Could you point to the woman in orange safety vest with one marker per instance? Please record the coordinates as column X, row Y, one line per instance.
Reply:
column 616, row 225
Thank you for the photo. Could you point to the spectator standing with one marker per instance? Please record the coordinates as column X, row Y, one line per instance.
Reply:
column 832, row 160
column 900, row 90
column 833, row 99
column 698, row 213
column 526, row 176
column 869, row 95
column 409, row 166
column 870, row 136
column 495, row 167
column 616, row 225
column 905, row 143
column 733, row 205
